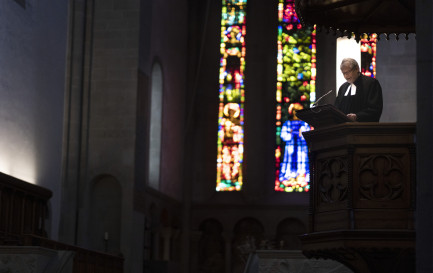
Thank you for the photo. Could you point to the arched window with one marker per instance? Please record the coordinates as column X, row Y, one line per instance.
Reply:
column 288, row 231
column 155, row 126
column 231, row 95
column 296, row 80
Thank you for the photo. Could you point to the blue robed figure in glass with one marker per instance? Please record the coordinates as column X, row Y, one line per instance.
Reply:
column 294, row 168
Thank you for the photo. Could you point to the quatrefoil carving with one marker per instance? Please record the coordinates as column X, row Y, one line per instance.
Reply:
column 333, row 179
column 381, row 177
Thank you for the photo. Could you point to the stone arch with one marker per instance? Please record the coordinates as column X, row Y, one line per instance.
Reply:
column 248, row 233
column 288, row 231
column 105, row 214
column 211, row 247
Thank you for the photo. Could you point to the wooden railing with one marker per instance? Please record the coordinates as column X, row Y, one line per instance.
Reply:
column 23, row 207
column 23, row 211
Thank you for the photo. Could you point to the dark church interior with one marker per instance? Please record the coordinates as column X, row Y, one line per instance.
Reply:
column 150, row 136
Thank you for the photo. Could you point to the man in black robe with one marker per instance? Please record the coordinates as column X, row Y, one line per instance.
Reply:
column 360, row 98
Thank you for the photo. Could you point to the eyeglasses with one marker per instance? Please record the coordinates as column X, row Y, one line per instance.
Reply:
column 345, row 73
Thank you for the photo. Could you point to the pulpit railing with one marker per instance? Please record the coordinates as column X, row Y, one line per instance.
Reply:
column 23, row 208
column 362, row 202
column 23, row 215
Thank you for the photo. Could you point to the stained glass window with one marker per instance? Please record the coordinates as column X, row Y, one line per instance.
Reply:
column 231, row 96
column 296, row 77
column 368, row 55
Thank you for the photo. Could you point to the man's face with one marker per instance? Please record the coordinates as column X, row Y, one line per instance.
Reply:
column 350, row 74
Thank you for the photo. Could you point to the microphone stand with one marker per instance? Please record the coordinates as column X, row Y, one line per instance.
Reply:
column 315, row 104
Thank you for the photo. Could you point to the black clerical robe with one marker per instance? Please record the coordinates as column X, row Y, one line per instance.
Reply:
column 367, row 103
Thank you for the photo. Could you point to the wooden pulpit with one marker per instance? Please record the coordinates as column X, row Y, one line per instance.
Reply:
column 362, row 202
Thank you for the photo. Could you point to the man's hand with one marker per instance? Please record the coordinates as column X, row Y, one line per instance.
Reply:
column 352, row 116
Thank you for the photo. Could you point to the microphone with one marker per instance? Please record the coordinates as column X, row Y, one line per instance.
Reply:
column 317, row 101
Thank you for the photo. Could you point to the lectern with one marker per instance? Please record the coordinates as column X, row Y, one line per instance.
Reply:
column 362, row 201
column 322, row 116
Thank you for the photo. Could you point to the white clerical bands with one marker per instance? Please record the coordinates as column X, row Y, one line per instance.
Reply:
column 351, row 89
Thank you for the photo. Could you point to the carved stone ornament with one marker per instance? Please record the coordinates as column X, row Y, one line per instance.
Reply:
column 332, row 179
column 381, row 177
column 361, row 260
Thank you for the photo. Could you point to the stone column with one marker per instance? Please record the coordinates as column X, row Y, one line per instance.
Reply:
column 194, row 249
column 424, row 136
column 228, row 238
column 166, row 234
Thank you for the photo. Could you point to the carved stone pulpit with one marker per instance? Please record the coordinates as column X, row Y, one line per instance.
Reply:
column 362, row 201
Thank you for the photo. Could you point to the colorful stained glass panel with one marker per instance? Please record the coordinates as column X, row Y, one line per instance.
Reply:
column 231, row 96
column 296, row 80
column 368, row 55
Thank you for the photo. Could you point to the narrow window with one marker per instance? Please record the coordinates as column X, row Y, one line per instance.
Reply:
column 364, row 52
column 155, row 126
column 231, row 96
column 346, row 48
column 296, row 80
column 368, row 55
